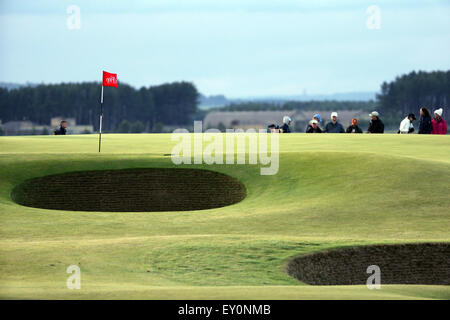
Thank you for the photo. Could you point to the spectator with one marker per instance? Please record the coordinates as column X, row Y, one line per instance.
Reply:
column 62, row 129
column 313, row 127
column 439, row 124
column 273, row 128
column 354, row 128
column 406, row 126
column 334, row 126
column 286, row 123
column 318, row 118
column 375, row 125
column 425, row 124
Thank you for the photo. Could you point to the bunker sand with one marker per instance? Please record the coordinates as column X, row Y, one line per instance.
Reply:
column 425, row 263
column 131, row 190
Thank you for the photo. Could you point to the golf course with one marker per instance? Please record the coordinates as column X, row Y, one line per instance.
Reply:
column 331, row 192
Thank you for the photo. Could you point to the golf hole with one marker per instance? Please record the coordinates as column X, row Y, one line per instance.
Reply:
column 131, row 190
column 426, row 263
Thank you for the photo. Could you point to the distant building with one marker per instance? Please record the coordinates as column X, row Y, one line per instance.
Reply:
column 55, row 121
column 14, row 128
column 261, row 119
column 244, row 119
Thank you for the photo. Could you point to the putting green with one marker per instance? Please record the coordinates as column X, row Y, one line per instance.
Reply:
column 330, row 191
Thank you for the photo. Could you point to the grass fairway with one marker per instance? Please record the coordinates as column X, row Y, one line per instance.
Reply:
column 330, row 191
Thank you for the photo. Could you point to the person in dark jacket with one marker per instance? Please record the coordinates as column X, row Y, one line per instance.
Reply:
column 354, row 128
column 62, row 130
column 286, row 123
column 376, row 125
column 313, row 127
column 425, row 125
column 334, row 126
column 273, row 128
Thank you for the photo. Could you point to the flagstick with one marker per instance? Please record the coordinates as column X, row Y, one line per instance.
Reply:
column 101, row 120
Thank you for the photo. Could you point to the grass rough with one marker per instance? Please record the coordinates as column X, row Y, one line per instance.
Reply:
column 331, row 191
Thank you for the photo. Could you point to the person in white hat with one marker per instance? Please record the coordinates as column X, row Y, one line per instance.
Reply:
column 439, row 124
column 375, row 125
column 286, row 123
column 334, row 126
column 313, row 127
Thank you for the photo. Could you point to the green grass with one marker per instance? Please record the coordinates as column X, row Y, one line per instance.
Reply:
column 330, row 191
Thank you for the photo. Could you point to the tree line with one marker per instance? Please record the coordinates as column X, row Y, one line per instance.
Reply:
column 299, row 105
column 127, row 109
column 409, row 92
column 147, row 107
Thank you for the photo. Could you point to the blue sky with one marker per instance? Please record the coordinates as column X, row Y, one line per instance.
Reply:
column 238, row 48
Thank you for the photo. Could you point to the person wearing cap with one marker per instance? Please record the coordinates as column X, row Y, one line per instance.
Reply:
column 425, row 124
column 406, row 126
column 354, row 128
column 375, row 125
column 286, row 123
column 318, row 118
column 334, row 126
column 273, row 128
column 439, row 124
column 313, row 127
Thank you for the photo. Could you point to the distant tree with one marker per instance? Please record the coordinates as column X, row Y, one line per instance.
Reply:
column 158, row 127
column 175, row 103
column 137, row 127
column 124, row 127
column 409, row 92
column 299, row 105
column 170, row 104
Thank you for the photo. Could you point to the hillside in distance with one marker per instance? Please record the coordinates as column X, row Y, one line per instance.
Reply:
column 214, row 101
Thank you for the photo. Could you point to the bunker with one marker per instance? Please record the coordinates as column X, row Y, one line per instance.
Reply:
column 131, row 190
column 423, row 263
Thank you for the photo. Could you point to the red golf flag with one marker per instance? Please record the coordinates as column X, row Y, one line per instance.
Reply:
column 109, row 79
